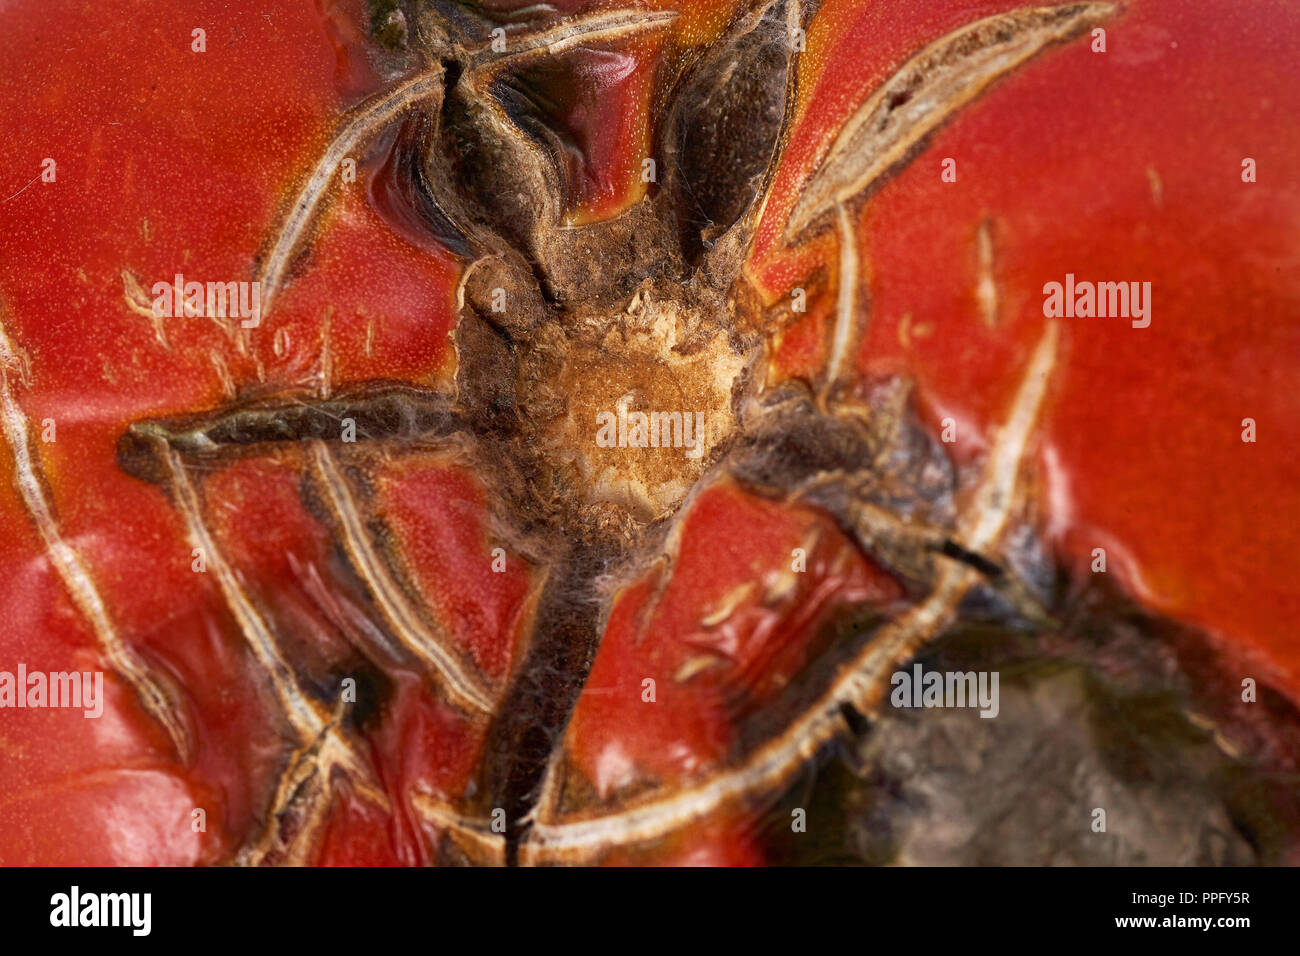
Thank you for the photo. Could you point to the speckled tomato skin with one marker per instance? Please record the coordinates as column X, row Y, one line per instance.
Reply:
column 171, row 161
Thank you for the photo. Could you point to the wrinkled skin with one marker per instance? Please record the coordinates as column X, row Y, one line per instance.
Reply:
column 431, row 644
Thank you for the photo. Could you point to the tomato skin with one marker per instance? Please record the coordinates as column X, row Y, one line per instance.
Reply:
column 165, row 166
column 1116, row 166
column 720, row 630
column 699, row 644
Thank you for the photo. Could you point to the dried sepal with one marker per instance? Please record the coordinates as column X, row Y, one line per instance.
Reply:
column 926, row 91
column 727, row 122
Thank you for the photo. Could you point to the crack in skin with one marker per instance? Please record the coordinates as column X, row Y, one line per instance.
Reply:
column 362, row 123
column 570, row 319
column 847, row 324
column 464, row 686
column 596, row 27
column 303, row 795
column 986, row 289
column 474, row 835
column 157, row 698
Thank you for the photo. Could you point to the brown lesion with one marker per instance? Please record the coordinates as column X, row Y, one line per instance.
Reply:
column 657, row 360
column 413, row 625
